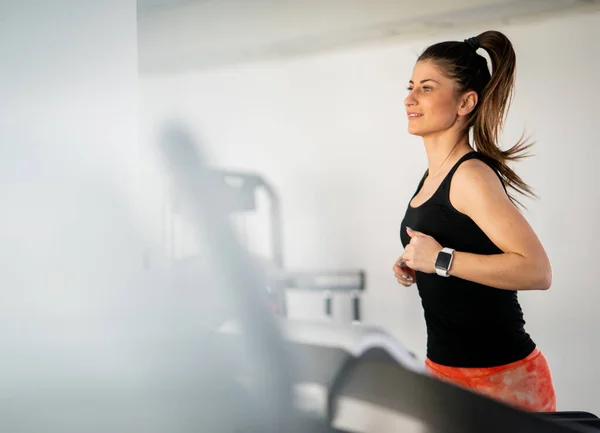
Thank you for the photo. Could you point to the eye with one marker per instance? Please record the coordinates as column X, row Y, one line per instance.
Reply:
column 409, row 88
column 427, row 88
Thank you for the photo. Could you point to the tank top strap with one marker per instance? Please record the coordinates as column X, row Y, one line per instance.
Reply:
column 445, row 186
column 421, row 183
column 465, row 157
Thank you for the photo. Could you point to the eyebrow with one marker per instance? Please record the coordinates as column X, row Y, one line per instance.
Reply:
column 424, row 81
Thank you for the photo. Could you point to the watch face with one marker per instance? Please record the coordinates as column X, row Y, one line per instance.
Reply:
column 443, row 260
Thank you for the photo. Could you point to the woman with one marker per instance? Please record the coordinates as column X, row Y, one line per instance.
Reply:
column 466, row 244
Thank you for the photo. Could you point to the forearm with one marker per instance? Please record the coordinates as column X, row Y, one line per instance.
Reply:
column 508, row 271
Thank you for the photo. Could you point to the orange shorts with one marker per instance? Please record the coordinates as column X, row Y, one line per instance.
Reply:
column 526, row 384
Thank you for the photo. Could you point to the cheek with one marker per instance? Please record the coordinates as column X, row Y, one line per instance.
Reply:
column 440, row 114
column 443, row 112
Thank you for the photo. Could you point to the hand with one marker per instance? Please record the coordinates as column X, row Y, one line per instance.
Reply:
column 405, row 275
column 420, row 254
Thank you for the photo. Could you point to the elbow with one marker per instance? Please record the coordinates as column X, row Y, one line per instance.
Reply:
column 546, row 281
column 544, row 277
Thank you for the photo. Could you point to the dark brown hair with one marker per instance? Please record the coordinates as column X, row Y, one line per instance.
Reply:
column 461, row 62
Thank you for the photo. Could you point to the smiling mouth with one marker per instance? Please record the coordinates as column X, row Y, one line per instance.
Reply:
column 414, row 116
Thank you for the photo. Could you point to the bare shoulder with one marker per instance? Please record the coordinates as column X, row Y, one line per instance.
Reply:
column 475, row 185
column 477, row 192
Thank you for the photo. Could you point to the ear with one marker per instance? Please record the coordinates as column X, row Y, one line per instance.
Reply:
column 468, row 102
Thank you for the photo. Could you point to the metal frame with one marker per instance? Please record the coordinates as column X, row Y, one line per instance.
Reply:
column 238, row 196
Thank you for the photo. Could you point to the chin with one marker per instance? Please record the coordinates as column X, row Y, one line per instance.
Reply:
column 415, row 131
column 424, row 131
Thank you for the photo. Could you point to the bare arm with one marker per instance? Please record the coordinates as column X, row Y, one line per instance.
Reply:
column 477, row 192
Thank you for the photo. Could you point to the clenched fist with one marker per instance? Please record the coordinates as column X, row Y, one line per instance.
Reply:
column 420, row 254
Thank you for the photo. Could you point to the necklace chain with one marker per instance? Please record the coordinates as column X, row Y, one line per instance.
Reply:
column 444, row 161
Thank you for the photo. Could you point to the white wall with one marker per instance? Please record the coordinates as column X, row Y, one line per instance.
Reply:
column 329, row 132
column 68, row 87
column 68, row 173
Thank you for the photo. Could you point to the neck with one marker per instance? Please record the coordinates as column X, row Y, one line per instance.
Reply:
column 444, row 148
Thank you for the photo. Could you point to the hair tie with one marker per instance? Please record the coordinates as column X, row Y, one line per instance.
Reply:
column 473, row 43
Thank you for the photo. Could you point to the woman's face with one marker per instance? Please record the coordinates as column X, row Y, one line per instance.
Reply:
column 433, row 104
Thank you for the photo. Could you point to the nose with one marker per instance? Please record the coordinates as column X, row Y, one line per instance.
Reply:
column 410, row 100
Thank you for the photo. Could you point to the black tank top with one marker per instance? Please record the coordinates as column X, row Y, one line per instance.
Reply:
column 468, row 324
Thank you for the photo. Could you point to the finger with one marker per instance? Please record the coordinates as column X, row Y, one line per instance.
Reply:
column 404, row 276
column 413, row 233
column 410, row 265
column 405, row 283
column 398, row 264
column 406, row 272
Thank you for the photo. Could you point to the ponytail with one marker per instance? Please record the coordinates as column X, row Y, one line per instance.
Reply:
column 489, row 117
column 460, row 61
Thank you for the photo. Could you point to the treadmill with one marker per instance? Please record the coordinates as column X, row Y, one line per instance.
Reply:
column 359, row 366
column 360, row 379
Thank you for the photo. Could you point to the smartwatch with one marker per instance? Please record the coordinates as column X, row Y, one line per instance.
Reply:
column 444, row 261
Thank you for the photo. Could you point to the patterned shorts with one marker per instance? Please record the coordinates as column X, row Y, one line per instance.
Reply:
column 526, row 384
